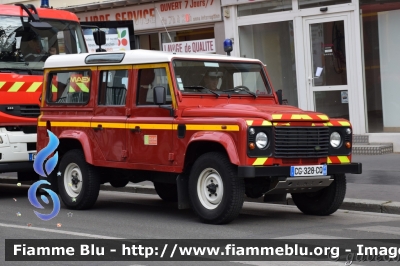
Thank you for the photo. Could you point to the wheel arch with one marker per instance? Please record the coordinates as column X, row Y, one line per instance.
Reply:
column 203, row 142
column 71, row 139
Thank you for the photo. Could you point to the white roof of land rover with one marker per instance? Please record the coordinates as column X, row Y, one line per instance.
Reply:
column 133, row 57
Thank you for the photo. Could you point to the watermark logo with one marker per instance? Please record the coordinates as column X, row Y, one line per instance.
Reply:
column 49, row 165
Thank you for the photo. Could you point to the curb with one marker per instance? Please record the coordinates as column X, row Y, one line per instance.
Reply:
column 364, row 205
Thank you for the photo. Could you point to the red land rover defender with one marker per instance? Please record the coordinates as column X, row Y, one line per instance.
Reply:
column 206, row 129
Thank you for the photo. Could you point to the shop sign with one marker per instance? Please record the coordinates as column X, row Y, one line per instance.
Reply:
column 205, row 46
column 188, row 12
column 160, row 15
column 117, row 39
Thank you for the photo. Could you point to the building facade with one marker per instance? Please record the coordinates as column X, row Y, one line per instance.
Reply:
column 336, row 57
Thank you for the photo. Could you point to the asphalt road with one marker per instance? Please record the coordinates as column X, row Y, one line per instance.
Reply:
column 139, row 216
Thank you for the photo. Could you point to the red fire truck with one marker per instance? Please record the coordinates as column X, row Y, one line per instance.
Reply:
column 28, row 36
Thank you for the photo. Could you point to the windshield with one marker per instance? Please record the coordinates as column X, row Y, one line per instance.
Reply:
column 220, row 77
column 23, row 49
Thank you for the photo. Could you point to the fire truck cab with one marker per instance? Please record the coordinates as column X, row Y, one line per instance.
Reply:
column 28, row 37
column 205, row 129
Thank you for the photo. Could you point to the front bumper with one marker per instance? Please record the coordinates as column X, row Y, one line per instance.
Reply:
column 16, row 167
column 267, row 171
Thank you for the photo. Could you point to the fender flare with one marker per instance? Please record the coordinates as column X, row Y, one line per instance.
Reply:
column 82, row 138
column 219, row 137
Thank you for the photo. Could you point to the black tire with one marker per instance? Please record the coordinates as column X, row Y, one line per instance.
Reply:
column 215, row 168
column 82, row 191
column 119, row 182
column 325, row 201
column 167, row 192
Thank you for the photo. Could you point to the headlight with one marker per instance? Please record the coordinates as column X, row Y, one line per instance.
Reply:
column 252, row 131
column 261, row 140
column 335, row 139
column 348, row 131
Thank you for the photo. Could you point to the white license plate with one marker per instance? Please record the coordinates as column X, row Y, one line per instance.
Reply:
column 32, row 156
column 308, row 170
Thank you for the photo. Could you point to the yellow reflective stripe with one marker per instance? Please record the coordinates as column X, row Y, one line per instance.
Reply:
column 212, row 127
column 249, row 122
column 70, row 124
column 41, row 124
column 277, row 117
column 329, row 124
column 2, row 84
column 323, row 117
column 108, row 125
column 71, row 89
column 150, row 126
column 83, row 87
column 34, row 87
column 260, row 161
column 344, row 123
column 343, row 159
column 305, row 117
column 266, row 123
column 53, row 88
column 281, row 124
column 16, row 86
column 329, row 160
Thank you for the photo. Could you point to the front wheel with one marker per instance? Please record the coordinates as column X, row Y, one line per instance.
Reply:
column 325, row 201
column 79, row 182
column 216, row 193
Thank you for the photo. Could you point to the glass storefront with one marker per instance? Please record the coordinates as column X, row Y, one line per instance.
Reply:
column 148, row 42
column 381, row 38
column 188, row 35
column 273, row 44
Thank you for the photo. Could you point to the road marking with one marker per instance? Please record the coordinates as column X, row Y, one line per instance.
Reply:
column 379, row 229
column 58, row 231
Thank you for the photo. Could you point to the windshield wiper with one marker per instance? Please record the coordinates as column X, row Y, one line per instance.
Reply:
column 201, row 88
column 241, row 88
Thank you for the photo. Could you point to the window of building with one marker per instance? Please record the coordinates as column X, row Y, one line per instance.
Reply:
column 69, row 87
column 148, row 42
column 113, row 87
column 264, row 7
column 381, row 38
column 321, row 3
column 273, row 44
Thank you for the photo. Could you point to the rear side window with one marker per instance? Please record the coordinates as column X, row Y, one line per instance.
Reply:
column 113, row 87
column 71, row 87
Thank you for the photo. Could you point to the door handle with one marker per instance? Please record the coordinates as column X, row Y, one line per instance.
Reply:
column 99, row 127
column 136, row 129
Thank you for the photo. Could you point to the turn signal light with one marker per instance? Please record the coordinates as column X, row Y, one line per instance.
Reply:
column 252, row 146
column 348, row 145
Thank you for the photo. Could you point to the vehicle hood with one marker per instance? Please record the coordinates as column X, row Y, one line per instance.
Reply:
column 267, row 112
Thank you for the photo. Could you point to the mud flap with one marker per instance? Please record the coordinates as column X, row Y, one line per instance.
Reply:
column 183, row 192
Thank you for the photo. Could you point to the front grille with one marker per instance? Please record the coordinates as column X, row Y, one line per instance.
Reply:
column 301, row 142
column 31, row 146
column 27, row 110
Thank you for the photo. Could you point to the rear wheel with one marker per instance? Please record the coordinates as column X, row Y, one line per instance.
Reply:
column 167, row 192
column 79, row 183
column 325, row 201
column 216, row 193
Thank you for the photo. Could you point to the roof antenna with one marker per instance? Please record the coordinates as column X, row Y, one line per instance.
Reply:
column 164, row 25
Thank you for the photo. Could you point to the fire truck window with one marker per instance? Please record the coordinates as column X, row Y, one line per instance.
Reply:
column 113, row 87
column 68, row 87
column 148, row 79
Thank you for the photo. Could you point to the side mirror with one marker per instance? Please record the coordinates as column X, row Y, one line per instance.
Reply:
column 279, row 94
column 99, row 37
column 159, row 95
